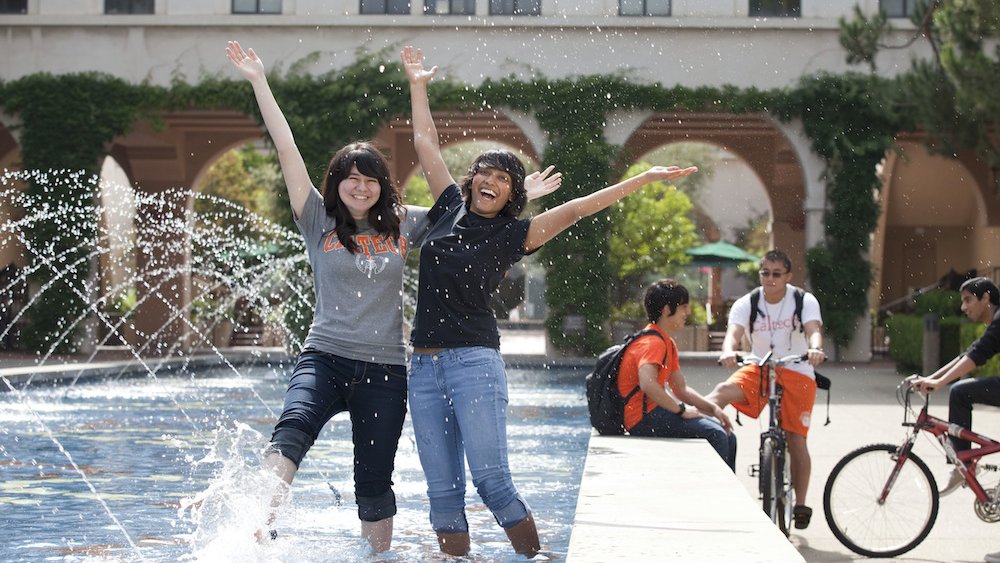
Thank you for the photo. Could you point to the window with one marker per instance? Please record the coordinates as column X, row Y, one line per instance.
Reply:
column 775, row 8
column 515, row 7
column 643, row 7
column 13, row 6
column 256, row 6
column 401, row 7
column 899, row 8
column 454, row 7
column 128, row 6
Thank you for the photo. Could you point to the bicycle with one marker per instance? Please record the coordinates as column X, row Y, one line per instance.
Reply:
column 773, row 472
column 881, row 500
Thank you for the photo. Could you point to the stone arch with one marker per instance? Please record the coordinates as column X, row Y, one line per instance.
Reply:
column 454, row 127
column 756, row 140
column 156, row 159
column 935, row 217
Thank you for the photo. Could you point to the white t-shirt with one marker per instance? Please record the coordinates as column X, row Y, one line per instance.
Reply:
column 773, row 328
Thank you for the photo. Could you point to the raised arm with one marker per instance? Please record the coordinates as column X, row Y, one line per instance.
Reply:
column 556, row 220
column 425, row 136
column 293, row 168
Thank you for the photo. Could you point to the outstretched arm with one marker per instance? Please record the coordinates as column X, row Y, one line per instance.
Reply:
column 425, row 136
column 554, row 221
column 293, row 168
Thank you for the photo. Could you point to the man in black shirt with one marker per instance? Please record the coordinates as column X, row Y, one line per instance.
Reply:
column 981, row 303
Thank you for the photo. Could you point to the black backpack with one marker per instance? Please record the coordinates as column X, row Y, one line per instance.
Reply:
column 606, row 404
column 797, row 293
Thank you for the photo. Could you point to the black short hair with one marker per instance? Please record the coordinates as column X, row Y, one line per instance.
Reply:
column 777, row 256
column 664, row 293
column 507, row 161
column 979, row 286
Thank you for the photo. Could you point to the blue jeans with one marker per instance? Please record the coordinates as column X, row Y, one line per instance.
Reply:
column 458, row 407
column 322, row 385
column 968, row 392
column 661, row 423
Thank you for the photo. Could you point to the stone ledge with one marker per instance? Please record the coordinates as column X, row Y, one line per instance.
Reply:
column 664, row 499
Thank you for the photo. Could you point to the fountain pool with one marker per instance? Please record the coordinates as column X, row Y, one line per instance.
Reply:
column 176, row 460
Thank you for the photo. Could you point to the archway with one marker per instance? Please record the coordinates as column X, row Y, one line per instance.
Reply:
column 756, row 141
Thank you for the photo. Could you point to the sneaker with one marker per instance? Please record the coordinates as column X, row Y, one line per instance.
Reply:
column 992, row 557
column 955, row 480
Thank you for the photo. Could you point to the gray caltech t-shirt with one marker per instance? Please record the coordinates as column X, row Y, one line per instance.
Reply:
column 359, row 297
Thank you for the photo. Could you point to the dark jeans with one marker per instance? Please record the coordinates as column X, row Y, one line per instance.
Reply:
column 968, row 392
column 323, row 385
column 661, row 423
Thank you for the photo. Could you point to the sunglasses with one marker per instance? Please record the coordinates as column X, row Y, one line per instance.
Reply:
column 771, row 274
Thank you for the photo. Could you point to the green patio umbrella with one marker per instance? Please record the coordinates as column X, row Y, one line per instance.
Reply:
column 718, row 254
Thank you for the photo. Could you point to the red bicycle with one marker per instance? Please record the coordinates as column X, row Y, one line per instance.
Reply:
column 881, row 500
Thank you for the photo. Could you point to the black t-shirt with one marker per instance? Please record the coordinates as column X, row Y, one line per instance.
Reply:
column 462, row 261
column 988, row 345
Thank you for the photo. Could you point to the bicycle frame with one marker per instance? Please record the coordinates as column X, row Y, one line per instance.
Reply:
column 942, row 430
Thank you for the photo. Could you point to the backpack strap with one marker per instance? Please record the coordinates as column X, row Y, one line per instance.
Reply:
column 800, row 297
column 754, row 310
column 797, row 294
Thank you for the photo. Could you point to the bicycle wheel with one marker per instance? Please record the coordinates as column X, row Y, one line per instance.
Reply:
column 769, row 478
column 786, row 500
column 860, row 521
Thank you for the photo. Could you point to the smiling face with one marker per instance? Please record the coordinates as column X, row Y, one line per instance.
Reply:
column 490, row 191
column 359, row 193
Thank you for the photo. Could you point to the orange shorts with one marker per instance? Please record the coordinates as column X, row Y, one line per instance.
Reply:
column 796, row 401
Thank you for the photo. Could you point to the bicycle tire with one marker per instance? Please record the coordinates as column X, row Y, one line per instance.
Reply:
column 786, row 500
column 769, row 479
column 901, row 522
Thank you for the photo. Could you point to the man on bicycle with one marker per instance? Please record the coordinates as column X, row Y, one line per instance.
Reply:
column 981, row 303
column 787, row 321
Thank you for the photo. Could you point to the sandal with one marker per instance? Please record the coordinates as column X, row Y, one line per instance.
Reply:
column 801, row 514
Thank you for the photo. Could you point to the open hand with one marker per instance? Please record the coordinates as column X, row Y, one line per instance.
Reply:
column 538, row 184
column 248, row 65
column 413, row 64
column 662, row 173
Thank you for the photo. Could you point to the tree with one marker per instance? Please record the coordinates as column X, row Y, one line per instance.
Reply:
column 650, row 232
column 952, row 96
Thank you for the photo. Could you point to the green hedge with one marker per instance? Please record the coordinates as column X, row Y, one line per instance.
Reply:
column 906, row 340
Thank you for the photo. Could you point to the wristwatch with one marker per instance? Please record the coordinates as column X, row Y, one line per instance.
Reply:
column 683, row 408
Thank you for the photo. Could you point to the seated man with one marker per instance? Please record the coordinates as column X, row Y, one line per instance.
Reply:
column 650, row 363
column 787, row 321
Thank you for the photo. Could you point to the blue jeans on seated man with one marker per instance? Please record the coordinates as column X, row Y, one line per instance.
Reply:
column 966, row 393
column 458, row 407
column 661, row 423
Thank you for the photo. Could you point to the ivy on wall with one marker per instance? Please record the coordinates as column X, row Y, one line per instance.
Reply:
column 69, row 121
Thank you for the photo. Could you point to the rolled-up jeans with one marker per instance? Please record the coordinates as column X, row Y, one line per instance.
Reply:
column 324, row 384
column 458, row 406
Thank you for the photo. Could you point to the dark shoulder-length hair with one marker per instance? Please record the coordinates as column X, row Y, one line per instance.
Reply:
column 501, row 160
column 384, row 216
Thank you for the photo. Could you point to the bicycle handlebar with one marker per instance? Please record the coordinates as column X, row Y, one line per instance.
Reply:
column 768, row 360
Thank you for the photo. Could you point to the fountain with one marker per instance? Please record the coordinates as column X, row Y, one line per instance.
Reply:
column 158, row 457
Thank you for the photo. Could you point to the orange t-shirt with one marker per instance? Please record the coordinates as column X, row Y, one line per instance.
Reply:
column 646, row 350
